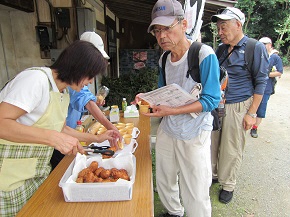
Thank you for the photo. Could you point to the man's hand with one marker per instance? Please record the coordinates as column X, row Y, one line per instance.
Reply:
column 160, row 111
column 137, row 99
column 248, row 122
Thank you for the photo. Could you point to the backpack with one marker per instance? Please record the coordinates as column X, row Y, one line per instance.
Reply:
column 193, row 63
column 249, row 54
column 193, row 68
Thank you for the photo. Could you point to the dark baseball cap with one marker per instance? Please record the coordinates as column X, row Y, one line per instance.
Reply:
column 165, row 12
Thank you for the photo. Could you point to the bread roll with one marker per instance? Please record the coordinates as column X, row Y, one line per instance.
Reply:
column 94, row 128
column 120, row 144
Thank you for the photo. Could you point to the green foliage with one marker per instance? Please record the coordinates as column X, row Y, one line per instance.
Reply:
column 286, row 61
column 268, row 18
column 264, row 18
column 129, row 84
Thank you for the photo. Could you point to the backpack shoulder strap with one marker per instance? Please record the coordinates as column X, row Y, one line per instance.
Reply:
column 249, row 53
column 193, row 61
column 221, row 50
column 163, row 61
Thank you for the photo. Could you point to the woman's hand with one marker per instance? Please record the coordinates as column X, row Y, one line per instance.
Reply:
column 66, row 144
column 111, row 135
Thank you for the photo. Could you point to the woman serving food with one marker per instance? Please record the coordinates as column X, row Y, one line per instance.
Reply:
column 33, row 109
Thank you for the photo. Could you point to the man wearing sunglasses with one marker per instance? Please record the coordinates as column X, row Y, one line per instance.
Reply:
column 243, row 96
column 183, row 142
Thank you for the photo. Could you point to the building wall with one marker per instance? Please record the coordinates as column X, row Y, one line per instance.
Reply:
column 19, row 48
column 19, row 45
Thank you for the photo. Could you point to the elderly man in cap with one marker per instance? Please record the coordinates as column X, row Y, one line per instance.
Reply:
column 275, row 70
column 243, row 96
column 183, row 141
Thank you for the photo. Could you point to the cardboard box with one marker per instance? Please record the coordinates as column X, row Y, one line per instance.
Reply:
column 93, row 192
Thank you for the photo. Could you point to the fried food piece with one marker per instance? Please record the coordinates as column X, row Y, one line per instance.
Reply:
column 98, row 171
column 113, row 148
column 115, row 173
column 105, row 174
column 93, row 174
column 124, row 174
column 113, row 170
column 80, row 180
column 108, row 156
column 93, row 166
column 89, row 177
column 98, row 179
column 120, row 174
column 83, row 172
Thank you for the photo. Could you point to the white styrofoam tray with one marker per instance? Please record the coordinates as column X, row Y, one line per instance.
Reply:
column 92, row 192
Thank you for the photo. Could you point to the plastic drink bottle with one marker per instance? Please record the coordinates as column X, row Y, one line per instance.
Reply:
column 221, row 107
column 124, row 104
column 81, row 129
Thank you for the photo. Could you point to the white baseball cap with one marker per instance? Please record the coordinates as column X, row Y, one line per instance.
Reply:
column 165, row 12
column 228, row 14
column 96, row 40
column 265, row 40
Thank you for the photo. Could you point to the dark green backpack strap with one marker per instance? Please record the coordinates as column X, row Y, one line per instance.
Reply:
column 163, row 62
column 193, row 61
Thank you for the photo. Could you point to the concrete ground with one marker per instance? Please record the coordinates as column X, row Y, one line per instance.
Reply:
column 263, row 186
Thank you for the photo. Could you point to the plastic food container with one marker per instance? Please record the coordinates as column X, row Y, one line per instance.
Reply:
column 94, row 192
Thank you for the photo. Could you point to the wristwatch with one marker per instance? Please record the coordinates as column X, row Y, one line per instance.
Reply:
column 252, row 115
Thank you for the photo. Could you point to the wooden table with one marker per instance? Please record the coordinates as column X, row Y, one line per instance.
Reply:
column 48, row 200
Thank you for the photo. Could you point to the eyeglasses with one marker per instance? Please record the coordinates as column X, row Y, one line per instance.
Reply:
column 167, row 29
column 222, row 10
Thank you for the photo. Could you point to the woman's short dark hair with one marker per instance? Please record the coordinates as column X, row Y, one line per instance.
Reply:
column 78, row 61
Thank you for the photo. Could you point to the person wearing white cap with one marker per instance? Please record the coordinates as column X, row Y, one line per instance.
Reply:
column 243, row 95
column 183, row 168
column 96, row 40
column 85, row 100
column 275, row 70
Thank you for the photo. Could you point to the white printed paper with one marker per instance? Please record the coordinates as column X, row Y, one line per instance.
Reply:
column 171, row 95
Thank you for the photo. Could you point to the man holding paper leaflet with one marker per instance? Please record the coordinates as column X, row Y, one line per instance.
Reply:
column 183, row 141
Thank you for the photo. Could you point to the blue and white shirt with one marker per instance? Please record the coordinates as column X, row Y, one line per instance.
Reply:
column 184, row 126
column 78, row 101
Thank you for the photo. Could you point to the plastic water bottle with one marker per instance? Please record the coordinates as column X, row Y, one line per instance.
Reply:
column 81, row 129
column 124, row 104
column 221, row 107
